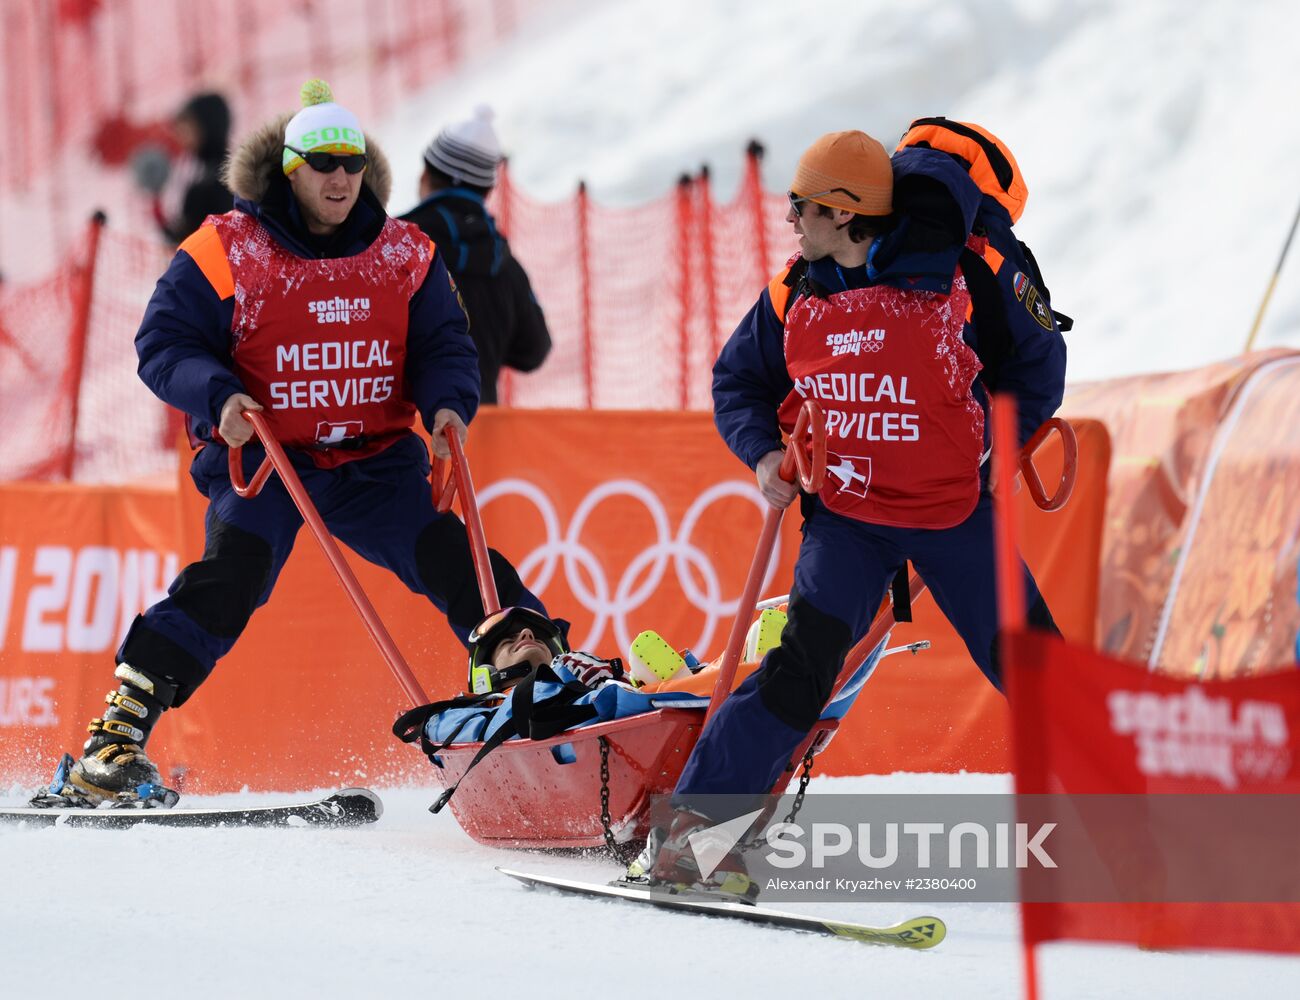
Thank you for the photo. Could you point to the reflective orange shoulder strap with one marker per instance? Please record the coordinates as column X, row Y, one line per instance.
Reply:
column 779, row 292
column 204, row 246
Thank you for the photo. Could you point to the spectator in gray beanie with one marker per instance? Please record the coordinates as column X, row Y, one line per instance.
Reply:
column 505, row 320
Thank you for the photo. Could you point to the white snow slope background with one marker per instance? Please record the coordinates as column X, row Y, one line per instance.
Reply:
column 1160, row 145
column 1157, row 137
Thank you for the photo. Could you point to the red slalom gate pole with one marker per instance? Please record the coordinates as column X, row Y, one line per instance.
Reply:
column 276, row 459
column 1011, row 616
column 460, row 482
column 806, row 458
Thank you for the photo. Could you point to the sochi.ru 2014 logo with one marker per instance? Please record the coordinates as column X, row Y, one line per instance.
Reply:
column 340, row 310
column 1191, row 735
column 855, row 342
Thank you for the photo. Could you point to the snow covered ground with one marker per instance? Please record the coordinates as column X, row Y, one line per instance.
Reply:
column 412, row 907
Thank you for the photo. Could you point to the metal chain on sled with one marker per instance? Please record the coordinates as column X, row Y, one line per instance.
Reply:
column 805, row 776
column 605, row 821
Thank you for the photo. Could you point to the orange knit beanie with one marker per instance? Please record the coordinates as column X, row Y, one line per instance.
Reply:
column 848, row 170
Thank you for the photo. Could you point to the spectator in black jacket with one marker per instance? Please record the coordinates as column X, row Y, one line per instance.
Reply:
column 506, row 322
column 202, row 130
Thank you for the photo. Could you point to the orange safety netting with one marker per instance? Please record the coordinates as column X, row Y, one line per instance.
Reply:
column 83, row 81
column 639, row 300
column 70, row 401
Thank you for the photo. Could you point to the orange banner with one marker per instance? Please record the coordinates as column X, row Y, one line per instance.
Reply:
column 621, row 521
column 76, row 565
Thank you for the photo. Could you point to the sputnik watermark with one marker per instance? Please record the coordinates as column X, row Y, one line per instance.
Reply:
column 1002, row 848
column 792, row 845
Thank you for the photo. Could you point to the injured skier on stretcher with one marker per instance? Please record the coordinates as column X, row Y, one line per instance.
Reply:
column 526, row 682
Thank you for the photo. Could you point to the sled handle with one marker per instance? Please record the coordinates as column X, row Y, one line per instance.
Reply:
column 236, row 465
column 806, row 458
column 277, row 459
column 806, row 454
column 1069, row 468
column 460, row 481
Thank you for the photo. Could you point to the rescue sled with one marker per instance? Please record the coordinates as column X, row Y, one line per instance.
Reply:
column 590, row 786
column 593, row 785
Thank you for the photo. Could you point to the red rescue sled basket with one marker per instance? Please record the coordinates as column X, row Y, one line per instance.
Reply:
column 548, row 793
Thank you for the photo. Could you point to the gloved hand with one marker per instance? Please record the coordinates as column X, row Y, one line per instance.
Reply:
column 150, row 168
column 590, row 671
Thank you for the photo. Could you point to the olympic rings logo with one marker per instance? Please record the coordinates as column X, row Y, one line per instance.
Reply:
column 639, row 581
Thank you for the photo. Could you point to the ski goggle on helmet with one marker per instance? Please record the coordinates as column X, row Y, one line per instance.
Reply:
column 495, row 629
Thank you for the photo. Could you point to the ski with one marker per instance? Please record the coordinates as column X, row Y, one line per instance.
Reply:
column 349, row 807
column 918, row 933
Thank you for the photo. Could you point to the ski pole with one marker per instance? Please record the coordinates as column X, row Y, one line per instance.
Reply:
column 806, row 458
column 1272, row 283
column 276, row 459
column 461, row 482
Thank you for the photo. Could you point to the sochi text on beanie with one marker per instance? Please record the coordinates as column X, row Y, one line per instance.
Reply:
column 320, row 127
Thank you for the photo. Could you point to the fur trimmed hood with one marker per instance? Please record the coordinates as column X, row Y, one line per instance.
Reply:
column 250, row 168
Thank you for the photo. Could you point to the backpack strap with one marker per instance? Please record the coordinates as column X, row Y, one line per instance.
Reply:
column 784, row 289
column 1064, row 322
column 993, row 341
column 528, row 719
column 410, row 725
column 900, row 594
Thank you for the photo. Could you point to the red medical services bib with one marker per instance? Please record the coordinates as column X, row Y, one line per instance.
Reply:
column 890, row 368
column 322, row 343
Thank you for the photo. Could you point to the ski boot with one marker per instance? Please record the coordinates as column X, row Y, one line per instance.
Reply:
column 669, row 862
column 114, row 767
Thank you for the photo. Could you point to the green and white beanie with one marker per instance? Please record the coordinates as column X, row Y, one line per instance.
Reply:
column 321, row 126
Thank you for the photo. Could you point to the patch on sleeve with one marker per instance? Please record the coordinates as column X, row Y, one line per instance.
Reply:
column 1020, row 283
column 1038, row 309
column 456, row 291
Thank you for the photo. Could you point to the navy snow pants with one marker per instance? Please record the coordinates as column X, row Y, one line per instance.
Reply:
column 380, row 506
column 840, row 577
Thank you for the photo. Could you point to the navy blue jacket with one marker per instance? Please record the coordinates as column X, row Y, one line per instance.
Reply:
column 750, row 379
column 506, row 320
column 183, row 343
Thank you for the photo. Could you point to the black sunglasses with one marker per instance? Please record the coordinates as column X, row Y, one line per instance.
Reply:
column 797, row 200
column 327, row 163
